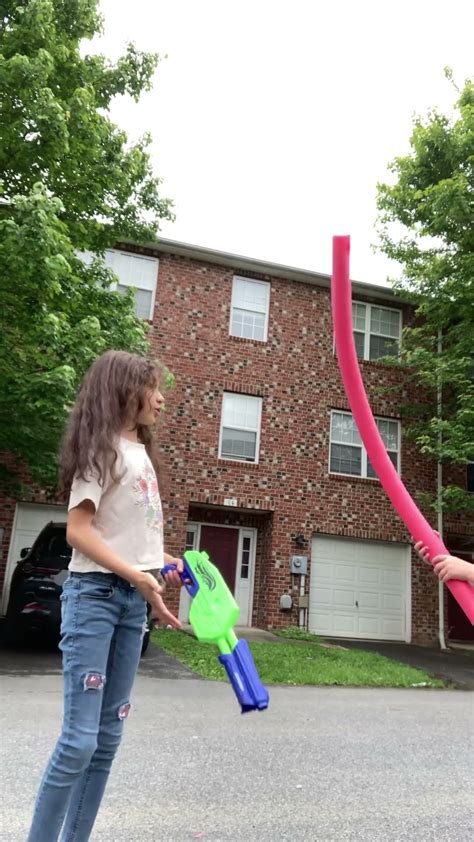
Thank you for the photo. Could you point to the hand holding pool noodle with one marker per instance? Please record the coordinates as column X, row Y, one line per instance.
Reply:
column 417, row 525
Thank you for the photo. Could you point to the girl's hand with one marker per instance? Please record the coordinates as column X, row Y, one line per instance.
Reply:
column 423, row 551
column 451, row 567
column 163, row 614
column 173, row 577
column 151, row 591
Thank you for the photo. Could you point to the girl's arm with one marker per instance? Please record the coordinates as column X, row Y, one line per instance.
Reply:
column 82, row 537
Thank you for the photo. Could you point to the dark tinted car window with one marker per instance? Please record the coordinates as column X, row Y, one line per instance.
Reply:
column 53, row 551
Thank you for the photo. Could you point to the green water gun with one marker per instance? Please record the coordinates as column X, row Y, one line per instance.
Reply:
column 213, row 614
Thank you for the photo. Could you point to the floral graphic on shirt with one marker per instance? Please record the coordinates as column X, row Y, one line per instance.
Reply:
column 148, row 497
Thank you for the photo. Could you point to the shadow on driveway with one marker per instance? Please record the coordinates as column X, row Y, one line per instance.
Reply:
column 41, row 656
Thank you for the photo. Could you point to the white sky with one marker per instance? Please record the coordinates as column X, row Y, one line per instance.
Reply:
column 273, row 120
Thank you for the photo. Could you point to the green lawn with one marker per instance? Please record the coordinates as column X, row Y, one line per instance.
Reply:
column 300, row 662
column 295, row 633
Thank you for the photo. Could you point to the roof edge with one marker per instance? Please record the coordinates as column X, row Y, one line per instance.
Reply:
column 263, row 267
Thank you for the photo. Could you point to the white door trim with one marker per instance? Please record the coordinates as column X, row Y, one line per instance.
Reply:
column 9, row 566
column 195, row 526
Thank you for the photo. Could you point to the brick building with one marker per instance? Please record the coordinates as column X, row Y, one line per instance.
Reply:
column 264, row 467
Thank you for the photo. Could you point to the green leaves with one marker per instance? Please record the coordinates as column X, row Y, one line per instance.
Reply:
column 70, row 182
column 433, row 200
column 55, row 126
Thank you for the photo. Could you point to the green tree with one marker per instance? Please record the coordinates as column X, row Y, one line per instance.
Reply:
column 69, row 182
column 427, row 225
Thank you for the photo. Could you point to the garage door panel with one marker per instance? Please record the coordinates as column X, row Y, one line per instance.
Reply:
column 369, row 600
column 392, row 578
column 343, row 598
column 393, row 602
column 358, row 589
column 344, row 573
column 346, row 622
column 324, row 622
column 369, row 575
column 368, row 627
column 324, row 596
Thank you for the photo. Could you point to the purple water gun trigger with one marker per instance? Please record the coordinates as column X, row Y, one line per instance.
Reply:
column 187, row 577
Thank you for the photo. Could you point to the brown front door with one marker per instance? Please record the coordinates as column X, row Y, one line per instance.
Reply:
column 221, row 545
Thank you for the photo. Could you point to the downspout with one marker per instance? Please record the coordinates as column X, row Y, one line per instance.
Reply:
column 439, row 494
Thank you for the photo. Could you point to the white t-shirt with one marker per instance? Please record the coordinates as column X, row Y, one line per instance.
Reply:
column 128, row 514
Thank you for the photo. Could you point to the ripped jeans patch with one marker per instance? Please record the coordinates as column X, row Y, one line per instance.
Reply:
column 124, row 710
column 94, row 681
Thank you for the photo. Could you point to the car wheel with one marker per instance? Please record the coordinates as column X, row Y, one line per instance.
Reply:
column 14, row 633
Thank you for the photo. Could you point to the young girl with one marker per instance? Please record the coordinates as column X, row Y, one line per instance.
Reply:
column 115, row 526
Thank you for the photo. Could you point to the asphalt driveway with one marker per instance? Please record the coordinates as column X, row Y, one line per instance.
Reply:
column 453, row 665
column 322, row 764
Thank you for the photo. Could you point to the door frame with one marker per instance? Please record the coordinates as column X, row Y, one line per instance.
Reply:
column 195, row 527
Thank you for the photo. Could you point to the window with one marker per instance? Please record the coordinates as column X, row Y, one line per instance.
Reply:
column 135, row 270
column 249, row 309
column 377, row 330
column 240, row 427
column 132, row 270
column 191, row 536
column 348, row 454
column 245, row 557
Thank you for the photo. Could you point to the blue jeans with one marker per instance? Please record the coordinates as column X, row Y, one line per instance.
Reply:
column 103, row 619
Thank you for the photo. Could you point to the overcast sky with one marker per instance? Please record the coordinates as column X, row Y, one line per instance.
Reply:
column 273, row 121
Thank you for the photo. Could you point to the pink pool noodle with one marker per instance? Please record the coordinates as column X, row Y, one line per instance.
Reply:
column 417, row 525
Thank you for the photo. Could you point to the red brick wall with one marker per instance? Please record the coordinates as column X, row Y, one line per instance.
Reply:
column 290, row 491
column 296, row 374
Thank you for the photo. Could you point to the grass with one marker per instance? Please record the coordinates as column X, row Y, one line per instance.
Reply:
column 299, row 663
column 296, row 633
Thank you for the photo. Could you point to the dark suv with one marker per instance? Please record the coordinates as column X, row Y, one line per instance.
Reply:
column 36, row 586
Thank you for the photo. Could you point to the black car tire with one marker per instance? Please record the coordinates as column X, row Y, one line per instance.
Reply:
column 14, row 633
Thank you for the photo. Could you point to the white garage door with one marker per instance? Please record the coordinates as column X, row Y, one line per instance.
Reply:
column 359, row 589
column 28, row 523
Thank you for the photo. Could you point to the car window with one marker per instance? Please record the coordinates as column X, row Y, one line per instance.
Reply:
column 54, row 551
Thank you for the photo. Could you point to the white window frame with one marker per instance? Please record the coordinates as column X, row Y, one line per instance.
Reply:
column 111, row 261
column 193, row 529
column 363, row 465
column 233, row 305
column 368, row 333
column 244, row 429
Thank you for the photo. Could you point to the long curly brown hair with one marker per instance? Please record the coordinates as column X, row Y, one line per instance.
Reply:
column 111, row 396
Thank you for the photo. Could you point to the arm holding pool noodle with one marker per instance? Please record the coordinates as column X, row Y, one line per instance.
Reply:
column 417, row 525
column 213, row 614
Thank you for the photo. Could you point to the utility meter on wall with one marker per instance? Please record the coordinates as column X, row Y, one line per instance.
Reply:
column 299, row 565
